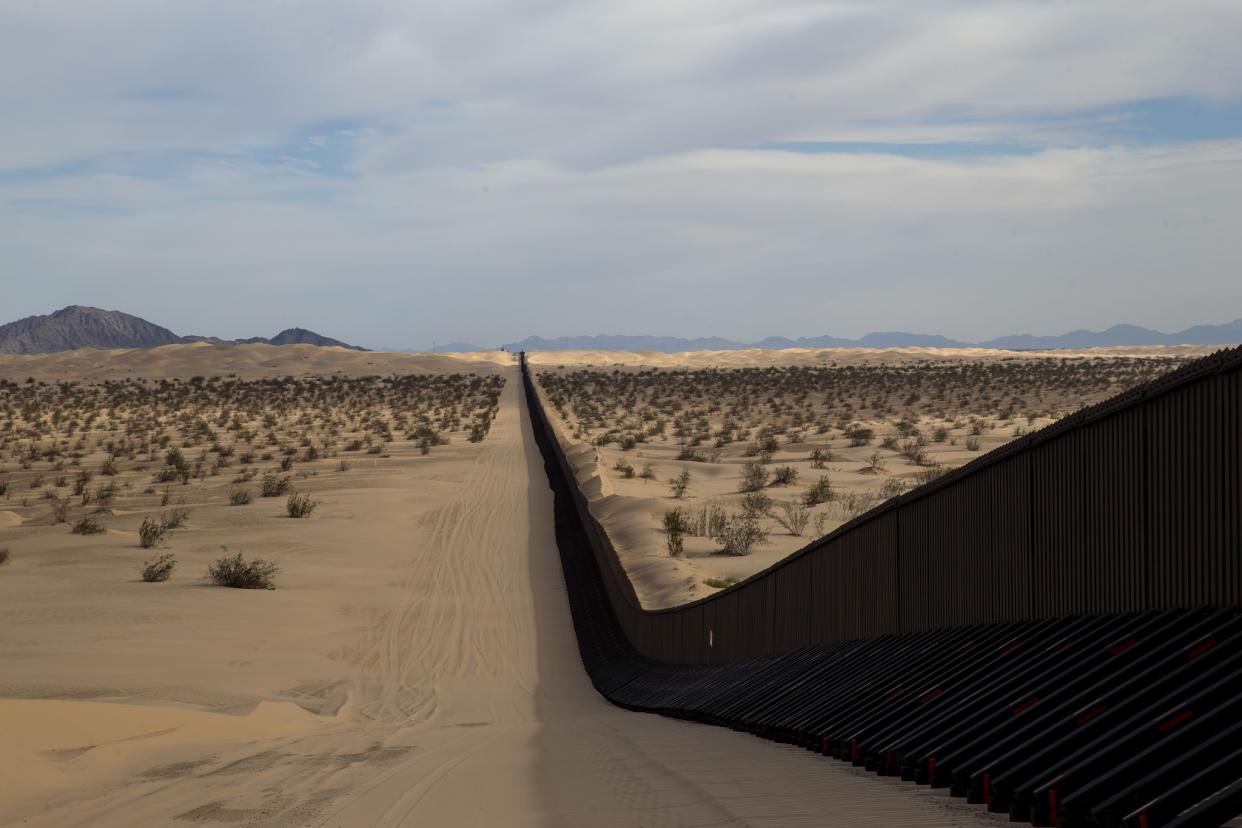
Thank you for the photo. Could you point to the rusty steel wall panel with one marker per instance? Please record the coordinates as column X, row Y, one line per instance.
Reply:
column 1089, row 518
column 1194, row 505
column 965, row 550
column 855, row 583
column 792, row 607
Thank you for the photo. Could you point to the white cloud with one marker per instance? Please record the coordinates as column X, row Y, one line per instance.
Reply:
column 560, row 167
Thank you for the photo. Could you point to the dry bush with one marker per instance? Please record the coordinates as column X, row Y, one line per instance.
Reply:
column 679, row 484
column 820, row 491
column 159, row 568
column 740, row 534
column 88, row 525
column 784, row 476
column 150, row 533
column 239, row 496
column 234, row 571
column 274, row 485
column 793, row 517
column 300, row 505
column 754, row 477
column 175, row 518
column 675, row 528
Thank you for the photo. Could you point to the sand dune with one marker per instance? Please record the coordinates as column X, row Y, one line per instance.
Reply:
column 416, row 667
column 244, row 361
column 758, row 357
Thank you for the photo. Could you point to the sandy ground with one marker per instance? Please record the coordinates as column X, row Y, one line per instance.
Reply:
column 243, row 361
column 416, row 666
column 631, row 508
column 752, row 357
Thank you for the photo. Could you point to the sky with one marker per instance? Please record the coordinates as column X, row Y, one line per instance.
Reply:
column 401, row 173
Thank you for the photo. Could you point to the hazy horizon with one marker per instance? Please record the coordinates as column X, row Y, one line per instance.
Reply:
column 398, row 176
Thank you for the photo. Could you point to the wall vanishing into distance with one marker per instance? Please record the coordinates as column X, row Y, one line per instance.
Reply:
column 1131, row 504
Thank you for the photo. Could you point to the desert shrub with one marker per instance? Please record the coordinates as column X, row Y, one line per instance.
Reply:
column 705, row 521
column 931, row 472
column 820, row 520
column 754, row 477
column 859, row 435
column 60, row 510
column 4, row 554
column 940, row 435
column 648, row 472
column 913, row 451
column 158, row 568
column 891, row 488
column 627, row 471
column 890, row 443
column 818, row 492
column 274, row 485
column 852, row 504
column 675, row 527
column 300, row 505
column 820, row 458
column 906, row 427
column 150, row 533
column 793, row 517
column 740, row 534
column 342, row 466
column 875, row 464
column 756, row 504
column 4, row 488
column 784, row 475
column 720, row 583
column 690, row 454
column 234, row 571
column 88, row 525
column 81, row 482
column 175, row 518
column 239, row 496
column 680, row 484
column 972, row 443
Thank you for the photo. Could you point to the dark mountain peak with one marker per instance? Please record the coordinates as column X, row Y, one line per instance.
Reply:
column 78, row 326
column 301, row 336
column 82, row 326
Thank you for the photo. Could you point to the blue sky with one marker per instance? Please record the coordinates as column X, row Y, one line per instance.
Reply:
column 397, row 175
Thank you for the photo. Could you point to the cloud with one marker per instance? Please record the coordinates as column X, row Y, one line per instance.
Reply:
column 395, row 173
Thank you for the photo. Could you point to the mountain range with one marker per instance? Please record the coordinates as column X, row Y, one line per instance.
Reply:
column 78, row 326
column 1229, row 333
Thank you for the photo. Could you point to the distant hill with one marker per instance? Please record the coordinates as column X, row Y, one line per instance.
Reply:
column 457, row 348
column 667, row 344
column 81, row 327
column 301, row 336
column 78, row 326
column 1227, row 334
